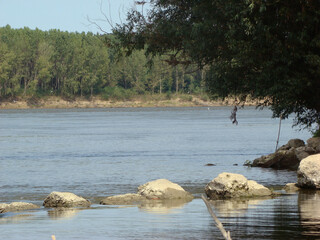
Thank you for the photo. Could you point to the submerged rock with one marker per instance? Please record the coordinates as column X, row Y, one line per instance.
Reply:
column 160, row 189
column 230, row 185
column 125, row 199
column 247, row 163
column 291, row 187
column 65, row 199
column 17, row 206
column 309, row 172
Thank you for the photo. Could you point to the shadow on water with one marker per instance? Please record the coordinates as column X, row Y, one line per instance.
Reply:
column 295, row 216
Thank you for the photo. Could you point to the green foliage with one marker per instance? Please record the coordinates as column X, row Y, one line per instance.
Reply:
column 35, row 63
column 316, row 133
column 118, row 93
column 268, row 50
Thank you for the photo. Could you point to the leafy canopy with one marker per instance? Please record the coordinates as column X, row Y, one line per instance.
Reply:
column 266, row 49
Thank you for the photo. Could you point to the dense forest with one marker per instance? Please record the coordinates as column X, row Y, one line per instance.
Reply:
column 35, row 63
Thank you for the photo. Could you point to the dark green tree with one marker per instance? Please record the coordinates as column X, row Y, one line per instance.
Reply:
column 266, row 49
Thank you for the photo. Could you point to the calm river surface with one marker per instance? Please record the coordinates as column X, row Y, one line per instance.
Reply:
column 96, row 153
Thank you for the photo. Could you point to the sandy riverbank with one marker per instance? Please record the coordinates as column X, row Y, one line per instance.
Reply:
column 96, row 102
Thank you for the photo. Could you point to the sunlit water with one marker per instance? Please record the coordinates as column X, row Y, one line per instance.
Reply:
column 101, row 152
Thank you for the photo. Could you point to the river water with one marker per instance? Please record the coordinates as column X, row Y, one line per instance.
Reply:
column 96, row 153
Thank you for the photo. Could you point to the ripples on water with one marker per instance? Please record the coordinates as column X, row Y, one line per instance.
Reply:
column 101, row 152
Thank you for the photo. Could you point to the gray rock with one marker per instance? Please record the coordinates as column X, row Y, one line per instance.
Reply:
column 291, row 187
column 65, row 199
column 163, row 189
column 287, row 160
column 303, row 152
column 295, row 143
column 314, row 143
column 230, row 185
column 247, row 163
column 265, row 161
column 17, row 206
column 125, row 199
column 282, row 159
column 309, row 172
column 158, row 190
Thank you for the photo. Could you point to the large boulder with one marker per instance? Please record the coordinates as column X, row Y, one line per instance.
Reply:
column 65, row 199
column 17, row 206
column 303, row 152
column 230, row 185
column 282, row 159
column 309, row 172
column 163, row 189
column 293, row 143
column 314, row 143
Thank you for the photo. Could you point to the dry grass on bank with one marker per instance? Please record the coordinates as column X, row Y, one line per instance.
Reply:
column 53, row 102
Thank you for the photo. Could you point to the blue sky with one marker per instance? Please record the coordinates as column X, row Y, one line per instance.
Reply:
column 66, row 15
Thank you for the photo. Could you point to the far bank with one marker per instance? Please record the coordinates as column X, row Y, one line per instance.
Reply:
column 53, row 102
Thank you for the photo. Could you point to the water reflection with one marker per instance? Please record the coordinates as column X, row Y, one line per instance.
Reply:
column 60, row 213
column 235, row 207
column 162, row 206
column 9, row 218
column 309, row 208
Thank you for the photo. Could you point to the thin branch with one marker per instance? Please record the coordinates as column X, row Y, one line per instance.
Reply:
column 108, row 19
column 219, row 225
column 279, row 132
column 94, row 22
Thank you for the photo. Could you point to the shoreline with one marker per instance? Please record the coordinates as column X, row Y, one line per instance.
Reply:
column 96, row 102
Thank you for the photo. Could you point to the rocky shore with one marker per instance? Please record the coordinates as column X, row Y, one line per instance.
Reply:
column 295, row 155
column 289, row 155
column 163, row 192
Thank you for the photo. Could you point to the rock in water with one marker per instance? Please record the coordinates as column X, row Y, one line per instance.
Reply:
column 229, row 185
column 314, row 143
column 282, row 159
column 65, row 199
column 125, row 199
column 163, row 189
column 295, row 143
column 291, row 187
column 309, row 172
column 17, row 206
column 160, row 189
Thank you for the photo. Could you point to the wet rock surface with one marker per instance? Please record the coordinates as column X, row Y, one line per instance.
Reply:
column 17, row 206
column 231, row 185
column 161, row 189
column 309, row 172
column 289, row 155
column 65, row 199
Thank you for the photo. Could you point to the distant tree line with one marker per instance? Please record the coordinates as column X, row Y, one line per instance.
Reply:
column 35, row 63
